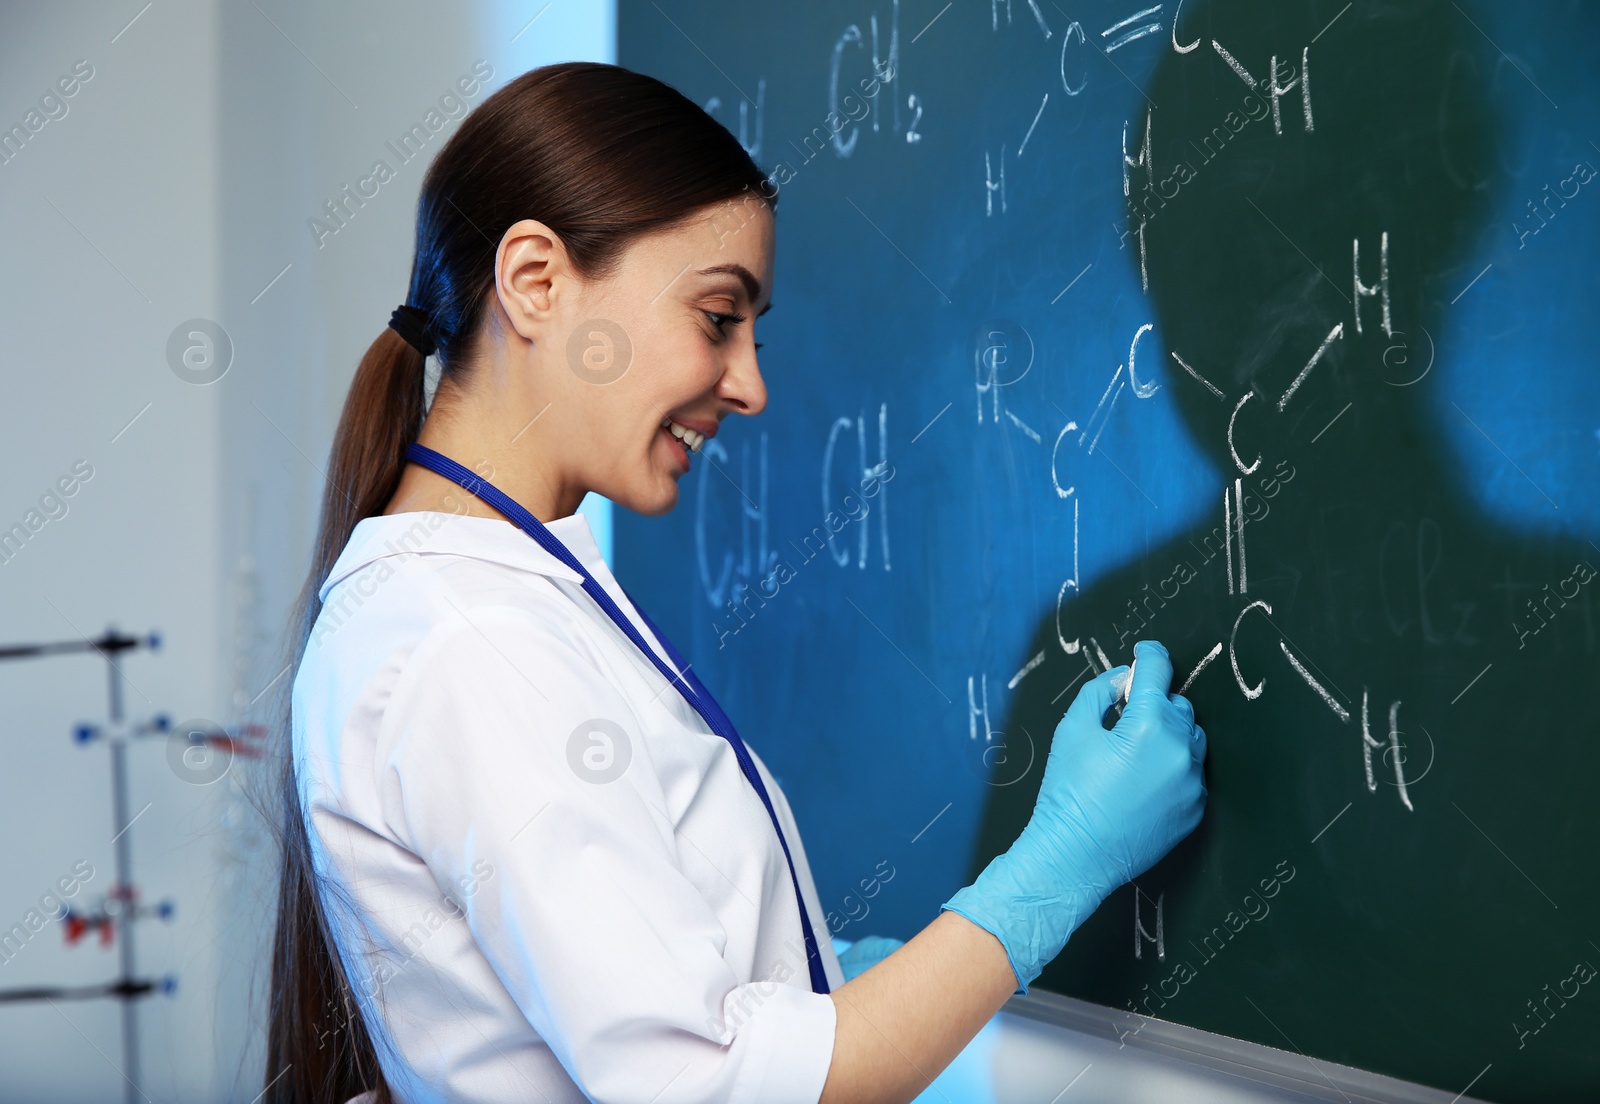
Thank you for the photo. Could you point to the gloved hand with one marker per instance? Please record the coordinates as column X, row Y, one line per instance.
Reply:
column 1110, row 805
column 865, row 953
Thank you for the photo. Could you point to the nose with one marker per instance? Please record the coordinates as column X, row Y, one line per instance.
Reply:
column 742, row 385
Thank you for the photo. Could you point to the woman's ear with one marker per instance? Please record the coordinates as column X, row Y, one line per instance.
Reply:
column 532, row 271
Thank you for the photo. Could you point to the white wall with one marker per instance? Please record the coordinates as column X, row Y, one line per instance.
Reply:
column 110, row 219
column 177, row 186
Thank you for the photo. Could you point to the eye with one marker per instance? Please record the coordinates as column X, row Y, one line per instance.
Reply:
column 720, row 320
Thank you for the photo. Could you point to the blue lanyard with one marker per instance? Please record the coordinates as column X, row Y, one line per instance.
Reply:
column 692, row 690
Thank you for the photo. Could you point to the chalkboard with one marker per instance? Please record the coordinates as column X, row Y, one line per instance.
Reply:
column 1262, row 329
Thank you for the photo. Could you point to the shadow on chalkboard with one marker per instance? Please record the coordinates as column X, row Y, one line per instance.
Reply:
column 1431, row 905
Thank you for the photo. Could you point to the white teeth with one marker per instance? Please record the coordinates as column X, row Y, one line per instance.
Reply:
column 683, row 433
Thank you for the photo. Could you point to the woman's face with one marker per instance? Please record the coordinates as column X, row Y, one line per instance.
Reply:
column 643, row 366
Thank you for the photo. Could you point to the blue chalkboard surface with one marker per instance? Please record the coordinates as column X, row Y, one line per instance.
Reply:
column 1261, row 329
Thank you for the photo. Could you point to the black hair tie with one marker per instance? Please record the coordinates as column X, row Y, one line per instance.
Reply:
column 415, row 325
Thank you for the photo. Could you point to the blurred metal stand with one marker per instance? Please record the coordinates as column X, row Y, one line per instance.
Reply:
column 116, row 916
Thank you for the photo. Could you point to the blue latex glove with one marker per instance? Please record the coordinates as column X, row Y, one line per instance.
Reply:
column 865, row 953
column 1110, row 805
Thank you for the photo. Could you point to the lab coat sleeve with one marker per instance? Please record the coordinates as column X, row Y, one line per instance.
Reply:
column 612, row 954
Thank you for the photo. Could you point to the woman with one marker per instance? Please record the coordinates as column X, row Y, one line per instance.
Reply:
column 525, row 855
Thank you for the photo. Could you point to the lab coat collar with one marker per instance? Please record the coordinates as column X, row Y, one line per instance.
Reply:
column 433, row 532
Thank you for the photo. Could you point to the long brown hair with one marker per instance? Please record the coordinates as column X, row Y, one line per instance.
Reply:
column 601, row 155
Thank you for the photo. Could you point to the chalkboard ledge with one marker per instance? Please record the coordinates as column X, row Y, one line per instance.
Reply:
column 1123, row 1055
column 1045, row 1047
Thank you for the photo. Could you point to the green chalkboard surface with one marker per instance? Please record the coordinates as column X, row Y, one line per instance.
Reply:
column 1263, row 329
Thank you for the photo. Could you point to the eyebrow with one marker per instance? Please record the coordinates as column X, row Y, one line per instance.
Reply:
column 752, row 286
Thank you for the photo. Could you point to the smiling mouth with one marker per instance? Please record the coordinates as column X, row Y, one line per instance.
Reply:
column 692, row 441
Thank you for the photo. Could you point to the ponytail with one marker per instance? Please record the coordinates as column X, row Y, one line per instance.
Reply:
column 318, row 1047
column 601, row 155
column 381, row 418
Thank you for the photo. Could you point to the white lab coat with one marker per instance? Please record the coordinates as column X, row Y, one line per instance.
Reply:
column 527, row 918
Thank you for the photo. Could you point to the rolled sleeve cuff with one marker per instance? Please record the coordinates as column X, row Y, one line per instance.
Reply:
column 790, row 1036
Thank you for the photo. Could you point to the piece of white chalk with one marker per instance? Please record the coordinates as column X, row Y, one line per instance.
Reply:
column 1122, row 697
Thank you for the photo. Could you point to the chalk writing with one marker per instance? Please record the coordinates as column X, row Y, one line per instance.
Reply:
column 1212, row 943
